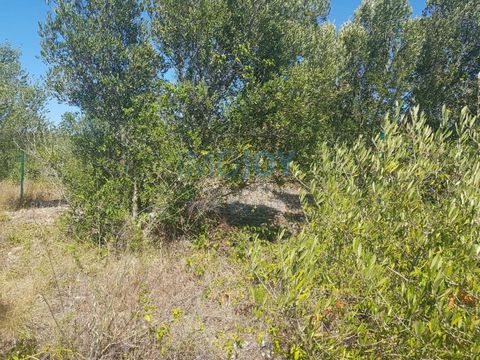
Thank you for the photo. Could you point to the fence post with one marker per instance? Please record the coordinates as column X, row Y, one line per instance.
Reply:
column 478, row 95
column 22, row 173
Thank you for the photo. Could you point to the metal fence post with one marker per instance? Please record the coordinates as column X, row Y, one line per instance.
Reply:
column 22, row 173
column 478, row 95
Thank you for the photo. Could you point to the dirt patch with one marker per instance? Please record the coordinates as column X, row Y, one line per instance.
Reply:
column 45, row 216
column 264, row 205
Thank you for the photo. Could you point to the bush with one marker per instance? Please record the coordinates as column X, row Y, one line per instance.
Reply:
column 119, row 190
column 387, row 266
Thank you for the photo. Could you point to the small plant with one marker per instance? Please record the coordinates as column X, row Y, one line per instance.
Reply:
column 177, row 314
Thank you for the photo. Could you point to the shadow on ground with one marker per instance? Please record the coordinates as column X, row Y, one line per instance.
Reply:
column 37, row 204
column 264, row 206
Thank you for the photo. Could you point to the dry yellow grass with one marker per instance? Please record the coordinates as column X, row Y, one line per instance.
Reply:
column 64, row 299
column 37, row 194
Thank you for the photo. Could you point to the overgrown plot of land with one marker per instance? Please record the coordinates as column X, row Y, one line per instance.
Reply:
column 62, row 297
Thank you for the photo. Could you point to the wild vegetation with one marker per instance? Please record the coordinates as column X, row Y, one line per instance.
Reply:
column 145, row 232
column 387, row 265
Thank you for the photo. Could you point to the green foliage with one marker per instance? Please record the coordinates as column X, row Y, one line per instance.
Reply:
column 449, row 62
column 387, row 265
column 298, row 108
column 159, row 78
column 21, row 113
column 377, row 61
column 133, row 126
column 121, row 170
column 428, row 61
column 115, row 204
column 219, row 49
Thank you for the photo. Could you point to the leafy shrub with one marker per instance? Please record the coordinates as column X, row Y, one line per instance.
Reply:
column 114, row 198
column 21, row 115
column 387, row 266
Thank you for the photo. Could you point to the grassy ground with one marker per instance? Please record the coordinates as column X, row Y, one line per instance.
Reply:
column 37, row 194
column 61, row 298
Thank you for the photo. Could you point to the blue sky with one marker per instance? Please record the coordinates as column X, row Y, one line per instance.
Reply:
column 342, row 10
column 19, row 26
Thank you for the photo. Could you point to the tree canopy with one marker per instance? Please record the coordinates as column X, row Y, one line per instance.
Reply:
column 156, row 77
column 21, row 109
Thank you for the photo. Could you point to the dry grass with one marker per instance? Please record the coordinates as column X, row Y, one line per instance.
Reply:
column 64, row 299
column 37, row 194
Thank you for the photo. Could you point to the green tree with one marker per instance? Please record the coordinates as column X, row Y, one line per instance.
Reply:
column 298, row 108
column 103, row 62
column 449, row 62
column 21, row 110
column 218, row 49
column 379, row 60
